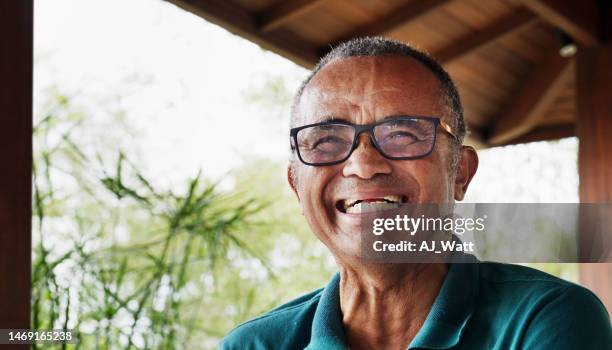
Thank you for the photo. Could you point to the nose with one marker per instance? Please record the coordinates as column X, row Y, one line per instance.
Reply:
column 365, row 161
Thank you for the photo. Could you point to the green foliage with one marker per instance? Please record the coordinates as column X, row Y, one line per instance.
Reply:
column 130, row 265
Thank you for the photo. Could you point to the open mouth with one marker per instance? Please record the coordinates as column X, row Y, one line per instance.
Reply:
column 368, row 205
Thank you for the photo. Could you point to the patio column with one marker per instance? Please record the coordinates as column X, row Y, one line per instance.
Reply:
column 16, row 29
column 594, row 129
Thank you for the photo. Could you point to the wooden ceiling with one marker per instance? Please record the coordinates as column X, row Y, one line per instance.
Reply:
column 502, row 54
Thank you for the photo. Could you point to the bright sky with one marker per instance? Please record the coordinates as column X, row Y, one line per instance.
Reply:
column 183, row 83
column 191, row 113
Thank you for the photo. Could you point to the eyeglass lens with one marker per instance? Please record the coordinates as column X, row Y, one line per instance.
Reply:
column 403, row 138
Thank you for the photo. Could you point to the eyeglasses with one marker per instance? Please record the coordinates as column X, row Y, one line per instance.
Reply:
column 397, row 138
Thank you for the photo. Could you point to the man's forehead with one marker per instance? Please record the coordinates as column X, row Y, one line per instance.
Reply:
column 359, row 82
column 396, row 71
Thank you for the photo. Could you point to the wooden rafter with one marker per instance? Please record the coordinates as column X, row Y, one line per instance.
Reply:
column 536, row 95
column 284, row 12
column 244, row 23
column 580, row 19
column 551, row 132
column 396, row 18
column 486, row 36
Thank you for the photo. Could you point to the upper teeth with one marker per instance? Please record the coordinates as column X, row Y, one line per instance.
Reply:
column 384, row 203
column 368, row 207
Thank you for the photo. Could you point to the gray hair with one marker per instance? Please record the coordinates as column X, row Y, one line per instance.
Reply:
column 378, row 46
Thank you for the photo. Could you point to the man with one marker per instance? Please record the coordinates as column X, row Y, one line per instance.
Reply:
column 377, row 89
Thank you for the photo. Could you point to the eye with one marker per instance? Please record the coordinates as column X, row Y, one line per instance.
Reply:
column 402, row 136
column 328, row 141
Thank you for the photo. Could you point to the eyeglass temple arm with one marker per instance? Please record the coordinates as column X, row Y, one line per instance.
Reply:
column 448, row 129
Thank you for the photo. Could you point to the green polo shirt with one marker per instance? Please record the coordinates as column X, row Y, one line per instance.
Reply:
column 480, row 306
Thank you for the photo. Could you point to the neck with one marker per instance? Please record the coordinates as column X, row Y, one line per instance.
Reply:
column 384, row 305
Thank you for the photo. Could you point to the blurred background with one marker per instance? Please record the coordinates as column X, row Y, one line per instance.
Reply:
column 162, row 216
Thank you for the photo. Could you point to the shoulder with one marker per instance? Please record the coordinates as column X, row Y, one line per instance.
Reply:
column 511, row 273
column 521, row 281
column 553, row 313
column 525, row 283
column 289, row 323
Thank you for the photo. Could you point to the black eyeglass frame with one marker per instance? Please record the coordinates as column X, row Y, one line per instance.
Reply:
column 369, row 129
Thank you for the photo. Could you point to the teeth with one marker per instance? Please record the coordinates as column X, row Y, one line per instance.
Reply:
column 395, row 199
column 368, row 207
column 349, row 203
column 353, row 203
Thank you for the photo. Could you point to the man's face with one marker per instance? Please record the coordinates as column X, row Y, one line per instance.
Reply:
column 364, row 90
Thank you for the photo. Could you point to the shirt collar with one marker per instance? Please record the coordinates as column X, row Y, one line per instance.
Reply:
column 327, row 332
column 443, row 326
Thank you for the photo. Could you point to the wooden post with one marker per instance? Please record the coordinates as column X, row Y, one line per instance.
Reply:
column 16, row 27
column 594, row 129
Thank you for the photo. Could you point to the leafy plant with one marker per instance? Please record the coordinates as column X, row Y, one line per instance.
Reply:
column 121, row 261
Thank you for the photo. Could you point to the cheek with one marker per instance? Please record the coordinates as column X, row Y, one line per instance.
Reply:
column 431, row 175
column 313, row 190
column 437, row 189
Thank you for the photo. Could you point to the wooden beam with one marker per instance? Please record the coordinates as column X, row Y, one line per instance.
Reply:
column 594, row 128
column 535, row 96
column 553, row 132
column 244, row 23
column 284, row 12
column 396, row 18
column 16, row 28
column 474, row 41
column 582, row 20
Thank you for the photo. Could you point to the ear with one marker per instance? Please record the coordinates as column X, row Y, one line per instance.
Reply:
column 466, row 169
column 292, row 180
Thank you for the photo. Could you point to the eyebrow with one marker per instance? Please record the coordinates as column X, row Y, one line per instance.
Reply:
column 408, row 115
column 332, row 118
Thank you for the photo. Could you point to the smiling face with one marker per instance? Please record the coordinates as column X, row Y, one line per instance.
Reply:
column 364, row 90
